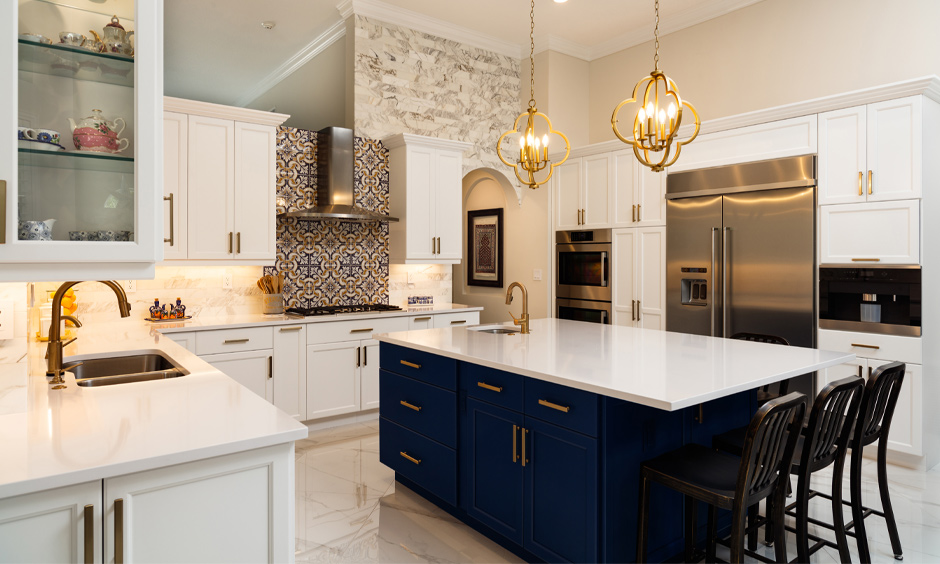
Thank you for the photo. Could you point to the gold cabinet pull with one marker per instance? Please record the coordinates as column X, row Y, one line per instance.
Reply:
column 170, row 238
column 632, row 310
column 638, row 212
column 875, row 347
column 866, row 260
column 410, row 364
column 524, row 433
column 89, row 534
column 860, row 175
column 234, row 341
column 515, row 457
column 3, row 212
column 458, row 321
column 410, row 406
column 238, row 242
column 415, row 460
column 870, row 175
column 422, row 319
column 358, row 357
column 366, row 330
column 289, row 329
column 638, row 310
column 633, row 213
column 270, row 367
column 230, row 235
column 547, row 403
column 119, row 531
column 489, row 387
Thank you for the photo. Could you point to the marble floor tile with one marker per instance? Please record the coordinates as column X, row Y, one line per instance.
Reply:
column 349, row 509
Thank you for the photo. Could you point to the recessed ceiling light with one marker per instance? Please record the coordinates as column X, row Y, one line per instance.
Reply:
column 268, row 24
column 560, row 1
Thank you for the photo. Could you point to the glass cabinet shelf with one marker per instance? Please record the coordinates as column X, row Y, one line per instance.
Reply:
column 76, row 63
column 76, row 160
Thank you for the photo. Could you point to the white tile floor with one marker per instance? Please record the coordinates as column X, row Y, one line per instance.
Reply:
column 349, row 509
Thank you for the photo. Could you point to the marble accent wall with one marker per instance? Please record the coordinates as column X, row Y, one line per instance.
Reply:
column 330, row 262
column 436, row 280
column 410, row 81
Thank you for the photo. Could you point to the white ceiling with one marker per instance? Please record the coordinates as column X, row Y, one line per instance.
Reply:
column 217, row 51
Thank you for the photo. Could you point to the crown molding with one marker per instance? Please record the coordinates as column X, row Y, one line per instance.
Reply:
column 290, row 66
column 419, row 22
column 207, row 109
column 403, row 139
column 561, row 45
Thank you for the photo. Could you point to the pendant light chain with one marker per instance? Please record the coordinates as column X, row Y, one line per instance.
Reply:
column 532, row 56
column 656, row 36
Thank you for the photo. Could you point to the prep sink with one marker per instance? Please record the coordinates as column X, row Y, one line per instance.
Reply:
column 495, row 329
column 110, row 370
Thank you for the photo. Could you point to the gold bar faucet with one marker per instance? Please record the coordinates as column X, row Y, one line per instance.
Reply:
column 523, row 321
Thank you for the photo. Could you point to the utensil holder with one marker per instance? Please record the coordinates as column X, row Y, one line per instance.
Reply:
column 272, row 303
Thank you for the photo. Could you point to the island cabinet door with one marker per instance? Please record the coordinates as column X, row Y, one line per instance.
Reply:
column 491, row 466
column 561, row 493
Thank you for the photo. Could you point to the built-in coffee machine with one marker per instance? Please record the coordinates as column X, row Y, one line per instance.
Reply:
column 873, row 299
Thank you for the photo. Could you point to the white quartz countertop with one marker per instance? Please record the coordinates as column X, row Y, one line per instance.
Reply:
column 659, row 369
column 52, row 438
column 260, row 320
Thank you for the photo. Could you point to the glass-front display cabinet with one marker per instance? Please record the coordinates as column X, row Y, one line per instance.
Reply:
column 81, row 156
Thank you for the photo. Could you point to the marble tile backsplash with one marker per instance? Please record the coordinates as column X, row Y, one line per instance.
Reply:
column 436, row 280
column 13, row 350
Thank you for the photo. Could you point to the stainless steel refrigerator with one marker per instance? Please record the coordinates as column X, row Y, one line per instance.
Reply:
column 740, row 251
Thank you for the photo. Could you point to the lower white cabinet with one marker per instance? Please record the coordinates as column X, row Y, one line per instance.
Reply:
column 369, row 375
column 187, row 340
column 639, row 285
column 290, row 370
column 252, row 369
column 420, row 322
column 232, row 508
column 60, row 525
column 333, row 378
column 882, row 232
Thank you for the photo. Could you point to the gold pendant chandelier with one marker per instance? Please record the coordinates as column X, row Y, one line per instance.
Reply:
column 533, row 150
column 658, row 118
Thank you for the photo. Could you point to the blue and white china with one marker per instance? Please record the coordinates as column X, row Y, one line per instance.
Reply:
column 25, row 134
column 81, row 235
column 48, row 136
column 36, row 230
column 112, row 235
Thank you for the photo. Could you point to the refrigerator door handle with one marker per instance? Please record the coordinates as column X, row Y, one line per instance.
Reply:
column 714, row 230
column 725, row 328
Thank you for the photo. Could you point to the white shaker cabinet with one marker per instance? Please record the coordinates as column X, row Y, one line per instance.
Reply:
column 333, row 380
column 639, row 196
column 224, row 168
column 420, row 322
column 252, row 369
column 639, row 284
column 872, row 232
column 425, row 194
column 871, row 153
column 582, row 187
column 369, row 375
column 290, row 370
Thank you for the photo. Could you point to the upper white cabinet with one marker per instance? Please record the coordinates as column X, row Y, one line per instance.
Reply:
column 223, row 167
column 566, row 181
column 872, row 152
column 639, row 282
column 582, row 192
column 95, row 214
column 875, row 232
column 639, row 196
column 425, row 194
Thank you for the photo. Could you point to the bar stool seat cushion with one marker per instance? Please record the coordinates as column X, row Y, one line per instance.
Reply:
column 711, row 475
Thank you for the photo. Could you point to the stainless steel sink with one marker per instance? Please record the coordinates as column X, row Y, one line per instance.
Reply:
column 495, row 329
column 107, row 371
column 499, row 331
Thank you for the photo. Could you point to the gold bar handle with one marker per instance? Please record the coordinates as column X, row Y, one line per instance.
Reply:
column 639, row 210
column 875, row 347
column 410, row 406
column 234, row 341
column 89, row 518
column 632, row 310
column 547, row 403
column 489, row 387
column 170, row 199
column 422, row 318
column 633, row 213
column 230, row 235
column 524, row 433
column 866, row 260
column 870, row 183
column 515, row 457
column 415, row 460
column 119, row 531
column 411, row 364
column 238, row 242
column 289, row 329
column 638, row 310
column 366, row 330
column 860, row 175
column 458, row 321
column 3, row 212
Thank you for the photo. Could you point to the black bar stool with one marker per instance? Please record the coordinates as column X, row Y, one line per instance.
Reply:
column 729, row 482
column 873, row 423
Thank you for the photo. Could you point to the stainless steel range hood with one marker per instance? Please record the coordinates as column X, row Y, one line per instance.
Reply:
column 335, row 199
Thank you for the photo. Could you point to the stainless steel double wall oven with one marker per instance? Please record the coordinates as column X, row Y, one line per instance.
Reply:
column 582, row 289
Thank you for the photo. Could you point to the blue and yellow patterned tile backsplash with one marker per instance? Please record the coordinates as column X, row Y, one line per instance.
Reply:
column 330, row 262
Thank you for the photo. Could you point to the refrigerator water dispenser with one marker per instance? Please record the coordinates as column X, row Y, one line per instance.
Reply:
column 694, row 292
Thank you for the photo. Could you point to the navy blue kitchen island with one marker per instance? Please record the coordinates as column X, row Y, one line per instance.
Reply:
column 550, row 471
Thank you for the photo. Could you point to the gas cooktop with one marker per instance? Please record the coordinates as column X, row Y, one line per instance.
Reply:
column 333, row 310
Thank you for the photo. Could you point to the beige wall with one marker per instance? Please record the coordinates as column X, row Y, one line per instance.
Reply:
column 525, row 246
column 777, row 52
column 562, row 92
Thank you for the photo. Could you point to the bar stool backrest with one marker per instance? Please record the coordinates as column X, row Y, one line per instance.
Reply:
column 830, row 423
column 768, row 446
column 878, row 403
column 759, row 338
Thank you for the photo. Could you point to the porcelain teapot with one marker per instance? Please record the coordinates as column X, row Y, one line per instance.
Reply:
column 95, row 133
column 116, row 39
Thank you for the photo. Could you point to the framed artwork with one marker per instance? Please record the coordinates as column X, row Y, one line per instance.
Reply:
column 485, row 248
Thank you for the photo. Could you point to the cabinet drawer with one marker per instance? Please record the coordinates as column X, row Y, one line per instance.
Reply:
column 421, row 407
column 438, row 370
column 494, row 386
column 429, row 464
column 884, row 347
column 567, row 407
column 444, row 320
column 234, row 340
column 335, row 331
